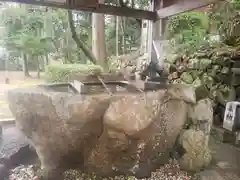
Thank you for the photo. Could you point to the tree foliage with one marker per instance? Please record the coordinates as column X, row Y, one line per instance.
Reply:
column 187, row 31
column 225, row 19
column 187, row 21
column 40, row 32
column 24, row 33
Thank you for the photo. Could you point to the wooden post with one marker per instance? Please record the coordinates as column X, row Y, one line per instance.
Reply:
column 156, row 52
column 150, row 34
column 117, row 36
column 98, row 37
column 160, row 24
column 144, row 36
column 155, row 29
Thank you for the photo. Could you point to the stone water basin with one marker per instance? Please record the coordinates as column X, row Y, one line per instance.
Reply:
column 108, row 134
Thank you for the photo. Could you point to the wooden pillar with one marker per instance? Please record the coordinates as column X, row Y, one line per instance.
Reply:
column 155, row 29
column 98, row 37
column 144, row 36
column 160, row 25
column 156, row 51
column 150, row 33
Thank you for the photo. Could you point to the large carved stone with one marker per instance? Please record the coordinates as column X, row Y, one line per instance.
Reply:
column 140, row 131
column 63, row 127
column 124, row 133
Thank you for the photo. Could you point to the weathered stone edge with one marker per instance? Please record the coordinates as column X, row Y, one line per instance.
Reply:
column 7, row 120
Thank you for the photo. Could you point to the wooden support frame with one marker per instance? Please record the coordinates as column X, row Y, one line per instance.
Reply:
column 182, row 6
column 128, row 12
column 100, row 8
column 173, row 7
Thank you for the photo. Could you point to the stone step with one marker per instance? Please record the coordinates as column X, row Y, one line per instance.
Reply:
column 225, row 136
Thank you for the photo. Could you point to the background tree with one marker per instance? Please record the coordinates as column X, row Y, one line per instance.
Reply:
column 36, row 36
column 225, row 19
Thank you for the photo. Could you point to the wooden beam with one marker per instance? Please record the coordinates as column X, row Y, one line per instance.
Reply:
column 183, row 6
column 100, row 8
column 128, row 12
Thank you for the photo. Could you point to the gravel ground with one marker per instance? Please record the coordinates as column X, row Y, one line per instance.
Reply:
column 167, row 172
column 23, row 173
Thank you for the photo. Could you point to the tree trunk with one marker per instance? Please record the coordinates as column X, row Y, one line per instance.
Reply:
column 46, row 59
column 18, row 63
column 89, row 19
column 47, row 31
column 25, row 65
column 79, row 43
column 6, row 70
column 38, row 67
column 123, row 35
column 23, row 55
column 117, row 36
column 144, row 36
column 98, row 37
column 67, row 57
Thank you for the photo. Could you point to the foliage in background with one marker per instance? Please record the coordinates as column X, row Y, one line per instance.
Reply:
column 42, row 33
column 61, row 73
column 24, row 36
column 225, row 19
column 207, row 67
column 187, row 31
column 132, row 36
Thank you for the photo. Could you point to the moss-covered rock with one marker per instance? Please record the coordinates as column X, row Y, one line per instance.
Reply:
column 187, row 77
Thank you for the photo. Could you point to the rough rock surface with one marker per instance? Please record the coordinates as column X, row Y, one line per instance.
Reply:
column 13, row 149
column 11, row 141
column 197, row 154
column 127, row 134
column 210, row 71
column 62, row 126
column 195, row 139
column 3, row 171
column 139, row 131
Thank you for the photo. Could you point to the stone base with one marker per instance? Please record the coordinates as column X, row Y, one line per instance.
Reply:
column 226, row 136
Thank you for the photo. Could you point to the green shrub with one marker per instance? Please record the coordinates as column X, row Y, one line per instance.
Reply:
column 187, row 31
column 61, row 73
